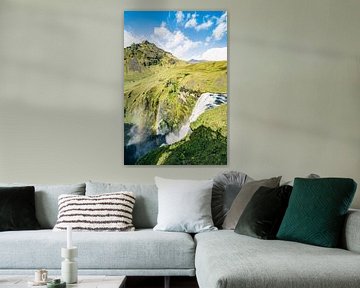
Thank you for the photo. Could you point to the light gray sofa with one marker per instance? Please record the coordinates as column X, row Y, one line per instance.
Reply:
column 226, row 259
column 143, row 252
column 220, row 259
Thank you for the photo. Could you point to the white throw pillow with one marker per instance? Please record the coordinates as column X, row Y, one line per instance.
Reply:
column 104, row 212
column 184, row 205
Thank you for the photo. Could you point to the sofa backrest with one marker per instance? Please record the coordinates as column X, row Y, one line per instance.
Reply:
column 146, row 203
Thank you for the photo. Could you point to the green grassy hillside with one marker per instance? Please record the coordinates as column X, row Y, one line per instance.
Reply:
column 138, row 57
column 170, row 90
column 215, row 119
column 202, row 147
column 207, row 144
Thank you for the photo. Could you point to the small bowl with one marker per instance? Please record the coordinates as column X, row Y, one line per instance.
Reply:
column 56, row 283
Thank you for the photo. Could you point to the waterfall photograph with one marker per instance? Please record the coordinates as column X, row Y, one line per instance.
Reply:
column 175, row 88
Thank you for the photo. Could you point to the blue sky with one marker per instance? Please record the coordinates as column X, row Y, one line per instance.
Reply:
column 188, row 35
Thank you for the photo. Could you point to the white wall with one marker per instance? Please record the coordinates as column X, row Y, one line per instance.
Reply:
column 294, row 89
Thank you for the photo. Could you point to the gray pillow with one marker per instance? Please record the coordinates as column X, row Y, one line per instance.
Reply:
column 310, row 176
column 46, row 200
column 243, row 198
column 225, row 189
column 184, row 205
column 146, row 206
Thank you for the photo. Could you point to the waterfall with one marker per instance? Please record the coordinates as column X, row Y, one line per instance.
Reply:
column 206, row 101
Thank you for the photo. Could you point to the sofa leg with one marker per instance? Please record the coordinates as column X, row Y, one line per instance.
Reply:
column 167, row 282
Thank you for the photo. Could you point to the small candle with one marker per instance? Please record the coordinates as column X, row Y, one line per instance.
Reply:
column 69, row 237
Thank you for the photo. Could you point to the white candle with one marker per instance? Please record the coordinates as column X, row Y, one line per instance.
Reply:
column 69, row 237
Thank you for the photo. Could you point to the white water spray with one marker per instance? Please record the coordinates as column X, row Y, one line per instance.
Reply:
column 206, row 101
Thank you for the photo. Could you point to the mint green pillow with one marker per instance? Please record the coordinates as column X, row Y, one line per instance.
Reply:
column 316, row 211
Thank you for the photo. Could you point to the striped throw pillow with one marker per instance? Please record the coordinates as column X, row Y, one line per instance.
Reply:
column 105, row 212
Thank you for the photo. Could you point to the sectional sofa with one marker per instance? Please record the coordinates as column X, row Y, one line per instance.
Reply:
column 219, row 259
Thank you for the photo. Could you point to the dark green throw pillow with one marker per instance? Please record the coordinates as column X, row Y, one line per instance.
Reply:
column 316, row 211
column 17, row 208
column 263, row 214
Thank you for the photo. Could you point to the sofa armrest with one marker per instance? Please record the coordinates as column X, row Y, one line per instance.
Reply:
column 351, row 234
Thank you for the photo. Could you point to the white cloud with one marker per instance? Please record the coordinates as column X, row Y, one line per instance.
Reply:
column 179, row 16
column 214, row 54
column 204, row 25
column 192, row 22
column 130, row 38
column 223, row 18
column 219, row 31
column 175, row 42
column 221, row 28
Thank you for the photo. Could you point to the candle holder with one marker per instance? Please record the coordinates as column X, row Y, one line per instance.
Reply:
column 69, row 271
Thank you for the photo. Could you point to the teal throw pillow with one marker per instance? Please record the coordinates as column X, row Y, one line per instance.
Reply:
column 316, row 211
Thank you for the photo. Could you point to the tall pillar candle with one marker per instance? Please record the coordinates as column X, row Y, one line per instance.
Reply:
column 69, row 237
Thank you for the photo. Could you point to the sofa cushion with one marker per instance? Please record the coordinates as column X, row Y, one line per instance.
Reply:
column 46, row 200
column 146, row 205
column 350, row 239
column 105, row 212
column 17, row 208
column 225, row 259
column 263, row 215
column 142, row 249
column 317, row 209
column 243, row 198
column 184, row 205
column 225, row 189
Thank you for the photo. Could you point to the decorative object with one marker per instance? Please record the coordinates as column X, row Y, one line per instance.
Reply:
column 105, row 212
column 317, row 209
column 56, row 283
column 225, row 189
column 184, row 205
column 68, row 265
column 175, row 88
column 41, row 275
column 243, row 198
column 69, row 237
column 40, row 279
column 263, row 214
column 17, row 208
